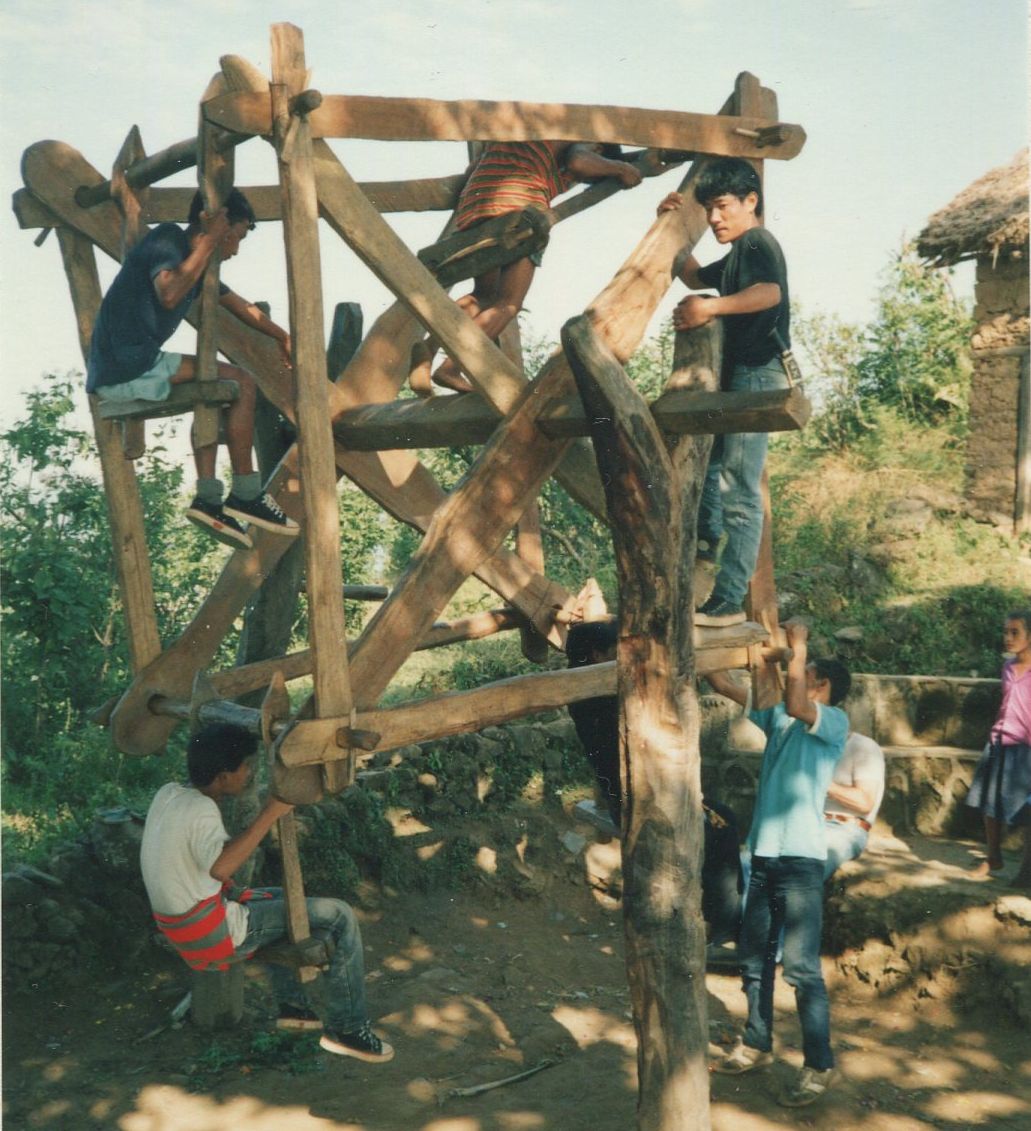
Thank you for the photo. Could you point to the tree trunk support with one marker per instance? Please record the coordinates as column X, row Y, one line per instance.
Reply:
column 653, row 485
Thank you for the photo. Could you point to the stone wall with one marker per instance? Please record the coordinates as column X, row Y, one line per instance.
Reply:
column 1001, row 316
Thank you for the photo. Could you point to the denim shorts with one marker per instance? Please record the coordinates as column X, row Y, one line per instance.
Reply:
column 154, row 385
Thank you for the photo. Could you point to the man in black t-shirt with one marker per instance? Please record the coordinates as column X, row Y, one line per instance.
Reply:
column 753, row 302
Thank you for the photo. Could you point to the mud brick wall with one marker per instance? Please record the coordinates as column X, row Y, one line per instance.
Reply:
column 1001, row 316
column 932, row 730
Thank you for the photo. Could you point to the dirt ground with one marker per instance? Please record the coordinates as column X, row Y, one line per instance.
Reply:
column 478, row 986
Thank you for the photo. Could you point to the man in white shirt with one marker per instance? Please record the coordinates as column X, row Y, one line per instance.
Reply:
column 188, row 860
column 853, row 799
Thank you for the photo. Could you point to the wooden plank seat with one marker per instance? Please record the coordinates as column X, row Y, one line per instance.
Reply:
column 183, row 398
column 493, row 243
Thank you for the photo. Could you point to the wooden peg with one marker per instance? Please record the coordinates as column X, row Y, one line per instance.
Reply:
column 275, row 708
column 204, row 691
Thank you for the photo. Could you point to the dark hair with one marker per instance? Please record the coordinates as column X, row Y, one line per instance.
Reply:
column 588, row 638
column 1023, row 615
column 611, row 150
column 238, row 209
column 218, row 748
column 732, row 176
column 837, row 673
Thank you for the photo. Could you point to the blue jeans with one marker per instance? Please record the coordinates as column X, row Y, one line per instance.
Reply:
column 786, row 891
column 731, row 494
column 330, row 919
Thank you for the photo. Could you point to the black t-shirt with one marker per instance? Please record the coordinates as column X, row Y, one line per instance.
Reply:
column 755, row 257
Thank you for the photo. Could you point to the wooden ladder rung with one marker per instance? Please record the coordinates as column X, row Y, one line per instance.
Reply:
column 183, row 398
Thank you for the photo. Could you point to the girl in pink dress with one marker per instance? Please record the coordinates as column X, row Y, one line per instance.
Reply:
column 1002, row 781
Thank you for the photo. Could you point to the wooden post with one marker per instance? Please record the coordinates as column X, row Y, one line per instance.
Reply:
column 130, row 203
column 215, row 175
column 761, row 600
column 529, row 544
column 1022, row 500
column 330, row 677
column 653, row 485
column 124, row 507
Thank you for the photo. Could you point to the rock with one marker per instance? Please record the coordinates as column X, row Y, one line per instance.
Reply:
column 19, row 891
column 60, row 928
column 852, row 634
column 908, row 515
column 573, row 842
column 44, row 879
column 1015, row 909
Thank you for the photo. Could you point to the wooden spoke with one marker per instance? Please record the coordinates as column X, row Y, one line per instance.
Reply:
column 428, row 119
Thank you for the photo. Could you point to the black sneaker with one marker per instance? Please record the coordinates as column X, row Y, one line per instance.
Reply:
column 717, row 613
column 212, row 518
column 263, row 511
column 362, row 1044
column 292, row 1017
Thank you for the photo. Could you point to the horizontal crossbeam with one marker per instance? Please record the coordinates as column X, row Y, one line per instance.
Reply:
column 444, row 421
column 428, row 119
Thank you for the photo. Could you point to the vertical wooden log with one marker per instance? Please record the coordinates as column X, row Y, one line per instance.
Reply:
column 130, row 204
column 1022, row 500
column 330, row 677
column 216, row 997
column 275, row 707
column 529, row 545
column 215, row 177
column 124, row 508
column 761, row 600
column 652, row 486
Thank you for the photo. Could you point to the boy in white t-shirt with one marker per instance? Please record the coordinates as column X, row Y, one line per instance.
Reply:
column 853, row 798
column 188, row 860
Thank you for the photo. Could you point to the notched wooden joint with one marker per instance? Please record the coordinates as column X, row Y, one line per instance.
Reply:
column 351, row 738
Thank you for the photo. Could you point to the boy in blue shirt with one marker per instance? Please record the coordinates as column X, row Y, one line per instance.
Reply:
column 149, row 298
column 805, row 738
column 753, row 302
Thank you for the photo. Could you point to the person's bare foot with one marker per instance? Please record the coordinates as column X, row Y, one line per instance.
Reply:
column 986, row 870
column 448, row 377
column 419, row 373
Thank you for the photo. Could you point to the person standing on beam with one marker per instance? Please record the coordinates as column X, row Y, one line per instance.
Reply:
column 753, row 302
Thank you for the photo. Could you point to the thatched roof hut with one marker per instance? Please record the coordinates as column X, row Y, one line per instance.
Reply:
column 990, row 217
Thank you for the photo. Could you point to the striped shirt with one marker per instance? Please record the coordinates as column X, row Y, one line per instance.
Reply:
column 510, row 176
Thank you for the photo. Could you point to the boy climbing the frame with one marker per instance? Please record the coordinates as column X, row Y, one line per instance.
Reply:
column 150, row 296
column 508, row 177
column 753, row 303
column 188, row 861
column 805, row 737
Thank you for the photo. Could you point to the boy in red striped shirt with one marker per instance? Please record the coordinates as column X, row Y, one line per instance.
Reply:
column 188, row 861
column 508, row 177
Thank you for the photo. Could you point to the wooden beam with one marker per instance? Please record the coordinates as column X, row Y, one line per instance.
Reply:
column 653, row 483
column 121, row 490
column 457, row 712
column 183, row 398
column 1022, row 497
column 761, row 598
column 215, row 181
column 428, row 119
column 276, row 707
column 441, row 422
column 166, row 204
column 330, row 677
column 465, row 530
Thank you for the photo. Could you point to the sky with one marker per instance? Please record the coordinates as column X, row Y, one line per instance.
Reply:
column 905, row 102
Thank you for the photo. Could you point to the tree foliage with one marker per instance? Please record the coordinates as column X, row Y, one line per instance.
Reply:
column 912, row 359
